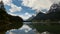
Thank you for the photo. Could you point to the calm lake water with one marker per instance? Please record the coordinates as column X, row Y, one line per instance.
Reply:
column 25, row 29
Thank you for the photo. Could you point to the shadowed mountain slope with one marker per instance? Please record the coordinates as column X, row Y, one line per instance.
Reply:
column 7, row 21
column 52, row 15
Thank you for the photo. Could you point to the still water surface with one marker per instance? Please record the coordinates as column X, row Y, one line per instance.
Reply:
column 25, row 29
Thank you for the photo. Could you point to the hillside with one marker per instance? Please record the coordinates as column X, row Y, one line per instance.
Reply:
column 53, row 15
column 7, row 21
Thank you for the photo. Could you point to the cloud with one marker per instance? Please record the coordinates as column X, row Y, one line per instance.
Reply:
column 7, row 2
column 55, row 1
column 37, row 4
column 25, row 16
column 15, row 8
column 12, row 14
column 0, row 0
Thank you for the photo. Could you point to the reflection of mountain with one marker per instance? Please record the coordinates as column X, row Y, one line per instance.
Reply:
column 25, row 29
column 53, row 14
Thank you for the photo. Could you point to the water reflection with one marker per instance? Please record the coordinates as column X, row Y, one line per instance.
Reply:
column 25, row 29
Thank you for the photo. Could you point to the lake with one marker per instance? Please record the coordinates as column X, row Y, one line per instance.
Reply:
column 25, row 29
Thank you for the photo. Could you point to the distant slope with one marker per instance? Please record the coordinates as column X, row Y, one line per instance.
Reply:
column 30, row 19
column 52, row 15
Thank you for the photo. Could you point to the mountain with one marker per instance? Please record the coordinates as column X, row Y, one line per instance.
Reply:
column 54, row 12
column 52, row 15
column 30, row 19
column 39, row 16
column 7, row 21
column 49, row 22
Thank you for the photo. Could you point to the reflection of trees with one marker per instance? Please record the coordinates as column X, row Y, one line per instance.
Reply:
column 52, row 28
column 7, row 21
column 51, row 22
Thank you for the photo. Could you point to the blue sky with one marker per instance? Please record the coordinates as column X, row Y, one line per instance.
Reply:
column 27, row 8
column 24, row 11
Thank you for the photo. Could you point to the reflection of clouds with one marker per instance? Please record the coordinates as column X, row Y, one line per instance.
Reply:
column 25, row 29
column 46, row 32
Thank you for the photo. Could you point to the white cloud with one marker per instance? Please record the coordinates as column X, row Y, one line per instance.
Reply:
column 37, row 4
column 12, row 14
column 0, row 0
column 55, row 1
column 25, row 16
column 15, row 8
column 7, row 2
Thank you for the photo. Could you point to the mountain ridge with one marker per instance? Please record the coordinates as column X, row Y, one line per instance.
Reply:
column 52, row 15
